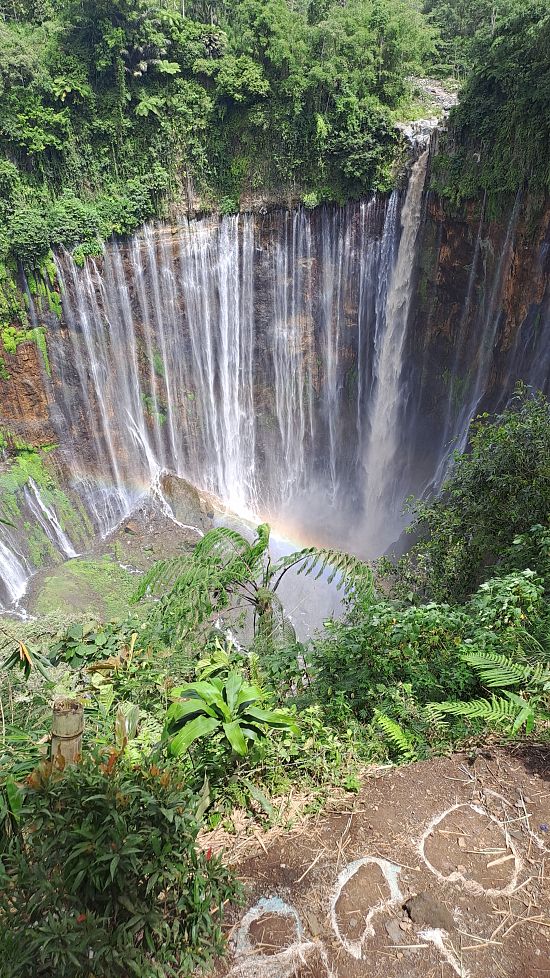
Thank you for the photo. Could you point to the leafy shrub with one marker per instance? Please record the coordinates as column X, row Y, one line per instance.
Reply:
column 513, row 709
column 105, row 877
column 9, row 182
column 82, row 644
column 388, row 647
column 497, row 490
column 72, row 221
column 500, row 130
column 514, row 600
column 225, row 707
column 28, row 235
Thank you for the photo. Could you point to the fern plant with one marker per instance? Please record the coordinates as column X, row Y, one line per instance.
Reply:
column 226, row 569
column 400, row 740
column 522, row 700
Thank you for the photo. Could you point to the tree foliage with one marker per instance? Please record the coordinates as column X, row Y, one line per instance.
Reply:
column 123, row 105
column 497, row 491
column 225, row 568
column 500, row 131
column 105, row 867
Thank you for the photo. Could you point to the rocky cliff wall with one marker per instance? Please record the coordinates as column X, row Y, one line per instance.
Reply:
column 244, row 354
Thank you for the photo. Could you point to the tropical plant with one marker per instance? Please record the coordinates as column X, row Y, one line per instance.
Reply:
column 104, row 876
column 499, row 131
column 385, row 649
column 400, row 739
column 28, row 659
column 83, row 644
column 225, row 707
column 496, row 491
column 522, row 700
column 225, row 566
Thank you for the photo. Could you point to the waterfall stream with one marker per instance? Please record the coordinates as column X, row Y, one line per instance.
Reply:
column 237, row 353
column 383, row 514
column 273, row 360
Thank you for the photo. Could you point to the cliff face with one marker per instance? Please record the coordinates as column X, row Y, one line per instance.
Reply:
column 480, row 319
column 26, row 396
column 245, row 355
column 479, row 322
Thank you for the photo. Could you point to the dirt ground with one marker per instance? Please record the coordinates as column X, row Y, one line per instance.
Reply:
column 433, row 870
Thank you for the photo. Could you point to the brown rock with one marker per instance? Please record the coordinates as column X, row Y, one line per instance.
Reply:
column 425, row 910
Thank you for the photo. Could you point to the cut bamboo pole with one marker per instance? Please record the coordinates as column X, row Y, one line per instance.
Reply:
column 67, row 728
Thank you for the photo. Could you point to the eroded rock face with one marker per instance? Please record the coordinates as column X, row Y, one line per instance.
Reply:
column 480, row 320
column 189, row 505
column 25, row 396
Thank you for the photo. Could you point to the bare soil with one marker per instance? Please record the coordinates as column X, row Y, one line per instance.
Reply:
column 469, row 837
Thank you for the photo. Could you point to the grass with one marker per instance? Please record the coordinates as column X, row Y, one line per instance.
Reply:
column 98, row 588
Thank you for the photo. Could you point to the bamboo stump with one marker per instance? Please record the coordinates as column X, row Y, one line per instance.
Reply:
column 67, row 727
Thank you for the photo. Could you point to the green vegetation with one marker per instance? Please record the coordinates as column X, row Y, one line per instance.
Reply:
column 225, row 707
column 225, row 566
column 461, row 25
column 99, row 588
column 184, row 726
column 111, row 110
column 500, row 131
column 498, row 490
column 104, row 866
column 28, row 465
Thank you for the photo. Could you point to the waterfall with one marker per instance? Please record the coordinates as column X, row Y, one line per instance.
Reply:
column 14, row 573
column 277, row 361
column 47, row 518
column 383, row 446
column 235, row 352
column 463, row 407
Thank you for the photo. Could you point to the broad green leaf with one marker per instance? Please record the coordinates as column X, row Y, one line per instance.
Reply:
column 525, row 716
column 168, row 67
column 209, row 693
column 106, row 697
column 236, row 737
column 205, row 799
column 132, row 712
column 274, row 718
column 232, row 686
column 199, row 727
column 14, row 795
column 248, row 694
column 185, row 711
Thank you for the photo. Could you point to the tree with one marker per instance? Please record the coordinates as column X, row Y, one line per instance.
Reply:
column 498, row 489
column 458, row 22
column 502, row 120
column 223, row 567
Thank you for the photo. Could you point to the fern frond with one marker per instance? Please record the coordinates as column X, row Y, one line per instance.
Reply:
column 498, row 670
column 161, row 575
column 223, row 543
column 498, row 709
column 396, row 735
column 350, row 573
